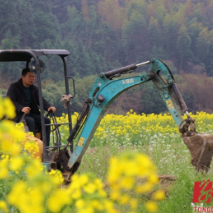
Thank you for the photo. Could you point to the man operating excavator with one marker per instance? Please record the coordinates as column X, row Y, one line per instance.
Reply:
column 24, row 95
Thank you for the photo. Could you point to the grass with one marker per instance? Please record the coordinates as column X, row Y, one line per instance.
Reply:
column 170, row 158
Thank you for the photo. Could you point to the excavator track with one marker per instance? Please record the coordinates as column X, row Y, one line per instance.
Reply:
column 59, row 162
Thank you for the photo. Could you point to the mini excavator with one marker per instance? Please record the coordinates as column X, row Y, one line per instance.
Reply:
column 106, row 88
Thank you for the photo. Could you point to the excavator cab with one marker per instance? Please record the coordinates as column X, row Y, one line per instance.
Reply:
column 32, row 60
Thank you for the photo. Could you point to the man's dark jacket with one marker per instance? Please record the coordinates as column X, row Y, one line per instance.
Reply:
column 17, row 95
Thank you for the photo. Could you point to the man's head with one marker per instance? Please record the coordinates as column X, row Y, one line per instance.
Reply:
column 28, row 77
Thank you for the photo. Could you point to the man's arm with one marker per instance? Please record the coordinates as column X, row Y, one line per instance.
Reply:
column 46, row 103
column 12, row 94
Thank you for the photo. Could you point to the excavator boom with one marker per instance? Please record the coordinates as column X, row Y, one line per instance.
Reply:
column 105, row 90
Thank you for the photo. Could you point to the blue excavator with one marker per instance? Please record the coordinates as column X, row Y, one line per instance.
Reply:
column 107, row 87
column 110, row 85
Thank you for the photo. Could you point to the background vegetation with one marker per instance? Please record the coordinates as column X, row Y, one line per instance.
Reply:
column 105, row 34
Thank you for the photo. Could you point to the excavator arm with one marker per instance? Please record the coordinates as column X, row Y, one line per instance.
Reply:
column 106, row 89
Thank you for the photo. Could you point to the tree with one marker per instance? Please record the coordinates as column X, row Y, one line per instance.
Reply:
column 161, row 12
column 8, row 19
column 153, row 31
column 10, row 70
column 196, row 90
column 85, row 9
column 170, row 29
column 135, row 37
column 135, row 6
column 183, row 46
column 203, row 45
column 112, row 13
column 189, row 8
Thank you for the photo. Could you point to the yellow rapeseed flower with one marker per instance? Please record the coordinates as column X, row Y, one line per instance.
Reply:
column 133, row 203
column 56, row 177
column 4, row 173
column 151, row 206
column 20, row 135
column 83, row 179
column 10, row 147
column 115, row 194
column 9, row 108
column 45, row 186
column 16, row 163
column 97, row 205
column 37, row 196
column 147, row 187
column 153, row 178
column 76, row 194
column 159, row 195
column 80, row 204
column 90, row 188
column 17, row 193
column 31, row 147
column 58, row 199
column 127, row 182
column 98, row 183
column 3, row 206
column 87, row 209
column 102, row 193
column 1, row 110
column 124, row 199
column 34, row 169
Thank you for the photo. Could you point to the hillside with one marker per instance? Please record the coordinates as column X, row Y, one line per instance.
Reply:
column 106, row 34
column 102, row 35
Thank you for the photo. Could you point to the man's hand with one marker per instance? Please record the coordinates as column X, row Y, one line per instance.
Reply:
column 52, row 108
column 26, row 110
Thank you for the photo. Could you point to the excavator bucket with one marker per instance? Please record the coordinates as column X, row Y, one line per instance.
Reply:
column 201, row 148
column 199, row 145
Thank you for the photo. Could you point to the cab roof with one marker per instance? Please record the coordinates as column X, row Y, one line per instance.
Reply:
column 27, row 54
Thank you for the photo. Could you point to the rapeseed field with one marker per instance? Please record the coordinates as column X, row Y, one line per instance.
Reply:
column 135, row 163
